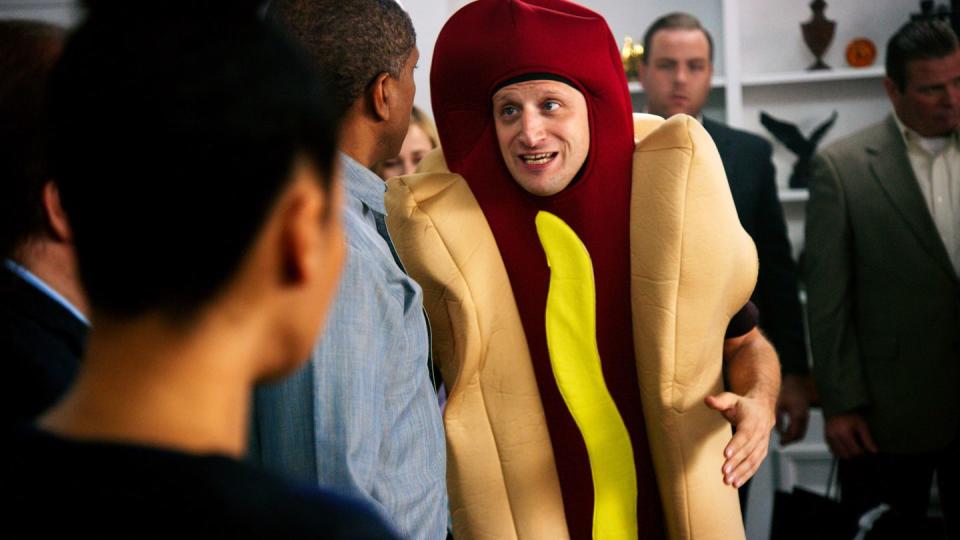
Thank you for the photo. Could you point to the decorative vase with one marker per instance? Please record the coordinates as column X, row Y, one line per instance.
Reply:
column 632, row 55
column 818, row 33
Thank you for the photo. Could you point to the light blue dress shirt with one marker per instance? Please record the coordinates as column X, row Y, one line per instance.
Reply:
column 362, row 417
column 42, row 286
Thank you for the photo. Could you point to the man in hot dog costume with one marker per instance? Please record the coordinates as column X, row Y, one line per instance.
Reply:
column 571, row 275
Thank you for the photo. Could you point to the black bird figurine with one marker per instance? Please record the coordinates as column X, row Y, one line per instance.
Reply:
column 791, row 137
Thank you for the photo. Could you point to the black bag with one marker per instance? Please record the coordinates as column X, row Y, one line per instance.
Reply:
column 805, row 515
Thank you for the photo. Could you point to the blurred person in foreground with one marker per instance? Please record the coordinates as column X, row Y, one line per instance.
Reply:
column 43, row 310
column 197, row 164
column 881, row 266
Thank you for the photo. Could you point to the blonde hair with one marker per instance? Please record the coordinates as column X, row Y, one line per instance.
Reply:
column 425, row 123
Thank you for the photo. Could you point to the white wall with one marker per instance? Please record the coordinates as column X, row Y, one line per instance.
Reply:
column 62, row 12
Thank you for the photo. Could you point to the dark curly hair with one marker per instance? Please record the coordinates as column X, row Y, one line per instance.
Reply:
column 350, row 42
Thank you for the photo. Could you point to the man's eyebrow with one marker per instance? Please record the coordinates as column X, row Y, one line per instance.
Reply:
column 504, row 96
column 555, row 94
column 938, row 85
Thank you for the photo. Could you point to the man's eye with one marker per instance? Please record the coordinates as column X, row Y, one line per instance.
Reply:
column 551, row 106
column 509, row 110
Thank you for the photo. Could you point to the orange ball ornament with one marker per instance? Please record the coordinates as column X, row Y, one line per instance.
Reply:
column 861, row 52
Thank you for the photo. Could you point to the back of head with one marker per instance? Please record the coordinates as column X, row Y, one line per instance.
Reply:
column 350, row 42
column 918, row 40
column 173, row 133
column 28, row 51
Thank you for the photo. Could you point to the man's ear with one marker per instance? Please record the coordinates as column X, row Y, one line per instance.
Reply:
column 893, row 91
column 56, row 218
column 302, row 218
column 381, row 91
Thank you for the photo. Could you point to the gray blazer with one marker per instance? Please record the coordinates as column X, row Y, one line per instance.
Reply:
column 883, row 297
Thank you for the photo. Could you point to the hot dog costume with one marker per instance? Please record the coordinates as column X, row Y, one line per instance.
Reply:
column 555, row 317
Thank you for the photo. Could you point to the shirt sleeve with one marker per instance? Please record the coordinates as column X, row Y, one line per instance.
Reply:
column 744, row 321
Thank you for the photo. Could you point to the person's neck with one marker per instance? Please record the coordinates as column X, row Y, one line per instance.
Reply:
column 361, row 139
column 55, row 264
column 152, row 384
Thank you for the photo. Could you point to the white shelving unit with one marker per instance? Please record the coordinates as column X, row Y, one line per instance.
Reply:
column 794, row 77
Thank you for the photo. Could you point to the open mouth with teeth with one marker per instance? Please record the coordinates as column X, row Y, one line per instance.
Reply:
column 538, row 159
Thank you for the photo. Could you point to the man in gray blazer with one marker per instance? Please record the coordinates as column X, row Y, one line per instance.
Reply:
column 883, row 254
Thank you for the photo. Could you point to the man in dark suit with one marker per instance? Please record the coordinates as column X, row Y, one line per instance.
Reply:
column 883, row 254
column 675, row 73
column 42, row 308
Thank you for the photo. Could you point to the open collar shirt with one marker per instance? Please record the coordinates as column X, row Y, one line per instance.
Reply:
column 936, row 164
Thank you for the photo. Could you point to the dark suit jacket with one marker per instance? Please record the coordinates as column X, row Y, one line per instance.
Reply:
column 746, row 160
column 40, row 348
column 883, row 297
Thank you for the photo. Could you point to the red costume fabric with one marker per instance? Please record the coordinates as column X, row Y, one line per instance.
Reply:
column 483, row 45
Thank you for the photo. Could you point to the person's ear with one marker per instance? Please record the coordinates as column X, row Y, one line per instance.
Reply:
column 641, row 71
column 300, row 242
column 56, row 218
column 381, row 92
column 893, row 91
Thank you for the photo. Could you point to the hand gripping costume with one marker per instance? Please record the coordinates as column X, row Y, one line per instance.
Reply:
column 555, row 318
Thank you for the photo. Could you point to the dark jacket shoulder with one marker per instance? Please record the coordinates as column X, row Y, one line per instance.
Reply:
column 745, row 141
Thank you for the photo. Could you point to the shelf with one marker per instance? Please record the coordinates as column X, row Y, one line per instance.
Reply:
column 799, row 77
column 794, row 195
column 635, row 88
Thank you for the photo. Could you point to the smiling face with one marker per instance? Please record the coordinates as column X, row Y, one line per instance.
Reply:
column 543, row 131
column 676, row 74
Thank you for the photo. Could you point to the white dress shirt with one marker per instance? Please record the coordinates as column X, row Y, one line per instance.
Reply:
column 936, row 164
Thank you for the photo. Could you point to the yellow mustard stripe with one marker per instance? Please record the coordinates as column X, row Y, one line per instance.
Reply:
column 572, row 342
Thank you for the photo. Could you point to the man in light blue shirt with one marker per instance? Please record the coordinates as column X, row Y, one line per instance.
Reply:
column 362, row 417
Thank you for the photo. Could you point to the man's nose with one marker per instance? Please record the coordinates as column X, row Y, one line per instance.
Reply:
column 532, row 126
column 681, row 75
column 409, row 167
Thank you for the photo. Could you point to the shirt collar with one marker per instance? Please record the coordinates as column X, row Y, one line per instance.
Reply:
column 42, row 286
column 363, row 184
column 911, row 137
